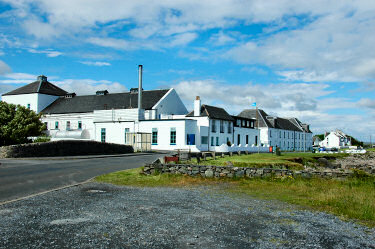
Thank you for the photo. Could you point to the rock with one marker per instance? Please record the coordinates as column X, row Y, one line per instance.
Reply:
column 209, row 173
column 240, row 173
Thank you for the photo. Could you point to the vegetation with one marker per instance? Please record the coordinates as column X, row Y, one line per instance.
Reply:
column 17, row 123
column 42, row 139
column 285, row 160
column 353, row 198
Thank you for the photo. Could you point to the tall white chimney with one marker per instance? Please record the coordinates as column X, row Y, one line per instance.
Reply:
column 197, row 106
column 140, row 87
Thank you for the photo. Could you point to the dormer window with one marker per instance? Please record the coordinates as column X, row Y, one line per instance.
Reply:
column 104, row 92
column 69, row 95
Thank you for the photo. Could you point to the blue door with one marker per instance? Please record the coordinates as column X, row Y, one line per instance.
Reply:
column 190, row 139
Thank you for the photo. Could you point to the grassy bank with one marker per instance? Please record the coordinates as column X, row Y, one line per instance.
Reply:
column 351, row 199
column 286, row 160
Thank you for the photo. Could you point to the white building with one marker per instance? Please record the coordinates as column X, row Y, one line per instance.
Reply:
column 336, row 139
column 289, row 134
column 117, row 117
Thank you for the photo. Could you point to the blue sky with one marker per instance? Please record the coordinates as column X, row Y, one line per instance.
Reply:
column 314, row 60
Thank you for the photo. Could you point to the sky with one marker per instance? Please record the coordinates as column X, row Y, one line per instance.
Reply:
column 314, row 60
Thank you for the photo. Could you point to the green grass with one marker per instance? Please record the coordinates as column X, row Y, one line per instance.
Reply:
column 286, row 160
column 353, row 198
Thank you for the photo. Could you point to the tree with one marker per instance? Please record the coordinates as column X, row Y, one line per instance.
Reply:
column 17, row 123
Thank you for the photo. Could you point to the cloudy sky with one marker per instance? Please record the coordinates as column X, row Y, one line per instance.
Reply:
column 314, row 60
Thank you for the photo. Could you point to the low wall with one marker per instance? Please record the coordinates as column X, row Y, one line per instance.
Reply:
column 63, row 148
column 230, row 172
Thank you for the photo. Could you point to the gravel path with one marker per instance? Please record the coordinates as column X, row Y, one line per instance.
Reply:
column 106, row 216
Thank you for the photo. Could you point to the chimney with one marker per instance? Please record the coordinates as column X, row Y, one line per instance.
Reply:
column 42, row 78
column 140, row 87
column 197, row 106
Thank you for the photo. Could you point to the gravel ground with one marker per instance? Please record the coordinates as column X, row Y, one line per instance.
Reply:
column 106, row 216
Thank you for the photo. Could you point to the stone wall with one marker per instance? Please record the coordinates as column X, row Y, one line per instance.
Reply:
column 63, row 148
column 230, row 172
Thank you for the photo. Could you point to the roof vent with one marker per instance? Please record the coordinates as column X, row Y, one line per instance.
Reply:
column 70, row 95
column 103, row 92
column 134, row 90
column 42, row 78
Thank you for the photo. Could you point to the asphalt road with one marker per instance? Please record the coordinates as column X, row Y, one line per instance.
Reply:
column 21, row 178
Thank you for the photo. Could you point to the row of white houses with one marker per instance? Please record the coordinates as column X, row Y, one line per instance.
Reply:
column 161, row 116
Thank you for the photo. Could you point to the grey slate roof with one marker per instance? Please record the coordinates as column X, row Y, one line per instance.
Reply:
column 213, row 112
column 251, row 113
column 89, row 103
column 44, row 87
column 292, row 124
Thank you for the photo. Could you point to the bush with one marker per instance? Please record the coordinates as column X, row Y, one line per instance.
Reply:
column 42, row 139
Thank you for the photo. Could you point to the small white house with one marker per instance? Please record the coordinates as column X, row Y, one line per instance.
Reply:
column 336, row 139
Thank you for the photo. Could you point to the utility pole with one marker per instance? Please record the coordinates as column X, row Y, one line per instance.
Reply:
column 256, row 108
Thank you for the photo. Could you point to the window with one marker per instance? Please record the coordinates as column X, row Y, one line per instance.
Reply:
column 256, row 140
column 28, row 106
column 248, row 123
column 125, row 132
column 154, row 136
column 56, row 124
column 190, row 139
column 252, row 124
column 79, row 125
column 238, row 139
column 221, row 126
column 238, row 122
column 103, row 135
column 46, row 124
column 204, row 140
column 173, row 136
column 212, row 141
column 217, row 141
column 229, row 127
column 243, row 123
column 213, row 126
column 247, row 139
column 67, row 125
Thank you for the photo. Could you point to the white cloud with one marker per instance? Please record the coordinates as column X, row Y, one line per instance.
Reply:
column 4, row 68
column 183, row 39
column 48, row 52
column 308, row 102
column 368, row 103
column 112, row 43
column 95, row 63
column 220, row 39
column 89, row 86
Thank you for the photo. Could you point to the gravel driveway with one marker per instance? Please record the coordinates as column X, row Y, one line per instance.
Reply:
column 105, row 216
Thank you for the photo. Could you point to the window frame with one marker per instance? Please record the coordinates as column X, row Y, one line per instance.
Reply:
column 154, row 136
column 172, row 136
column 103, row 135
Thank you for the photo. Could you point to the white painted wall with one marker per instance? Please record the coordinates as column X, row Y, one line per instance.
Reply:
column 37, row 101
column 85, row 118
column 170, row 104
column 286, row 140
column 183, row 127
column 333, row 140
column 243, row 132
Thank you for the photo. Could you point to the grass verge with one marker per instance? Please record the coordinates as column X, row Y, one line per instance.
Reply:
column 353, row 198
column 293, row 161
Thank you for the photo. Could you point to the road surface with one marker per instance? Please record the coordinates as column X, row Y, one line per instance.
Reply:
column 23, row 177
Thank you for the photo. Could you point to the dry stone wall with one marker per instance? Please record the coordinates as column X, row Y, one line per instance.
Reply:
column 230, row 172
